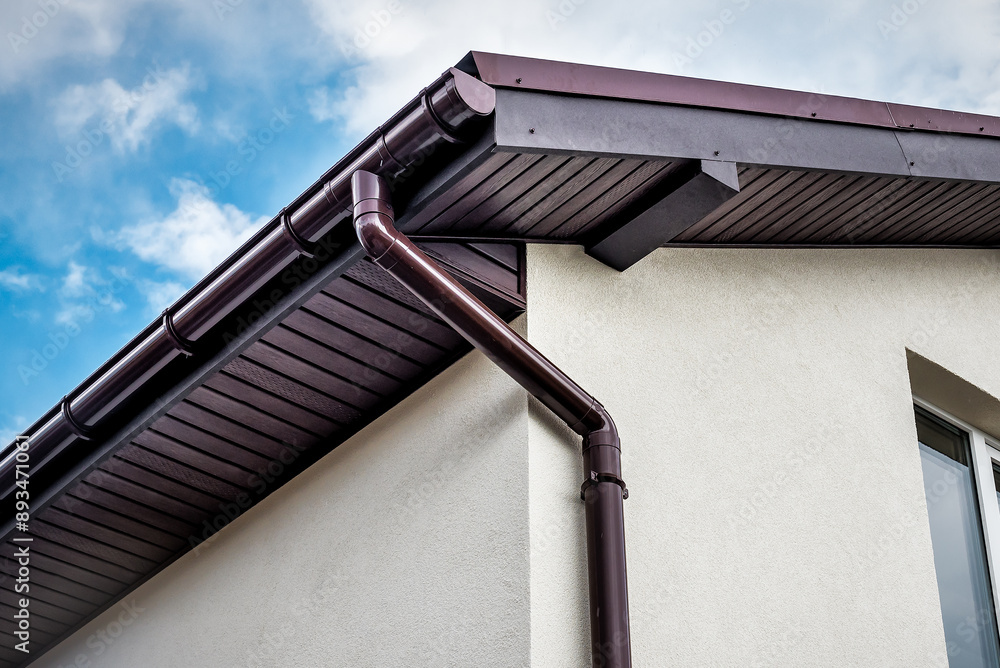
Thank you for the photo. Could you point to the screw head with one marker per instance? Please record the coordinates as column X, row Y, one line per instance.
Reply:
column 715, row 153
column 912, row 163
column 814, row 114
column 517, row 80
column 531, row 130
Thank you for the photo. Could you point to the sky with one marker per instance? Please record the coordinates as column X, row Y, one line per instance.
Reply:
column 144, row 140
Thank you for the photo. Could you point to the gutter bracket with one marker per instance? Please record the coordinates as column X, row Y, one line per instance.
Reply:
column 184, row 346
column 304, row 247
column 82, row 431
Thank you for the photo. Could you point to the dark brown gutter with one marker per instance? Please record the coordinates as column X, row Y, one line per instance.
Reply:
column 438, row 115
column 603, row 488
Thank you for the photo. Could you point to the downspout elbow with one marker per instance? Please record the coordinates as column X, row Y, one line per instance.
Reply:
column 603, row 488
column 373, row 216
column 597, row 427
column 602, row 461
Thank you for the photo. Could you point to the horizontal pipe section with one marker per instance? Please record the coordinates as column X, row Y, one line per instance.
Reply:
column 440, row 114
column 603, row 489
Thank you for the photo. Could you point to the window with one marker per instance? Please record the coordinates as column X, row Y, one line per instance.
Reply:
column 961, row 468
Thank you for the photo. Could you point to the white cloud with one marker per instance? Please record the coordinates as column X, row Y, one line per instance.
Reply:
column 394, row 57
column 72, row 315
column 940, row 55
column 323, row 104
column 228, row 129
column 85, row 292
column 160, row 295
column 240, row 38
column 76, row 283
column 12, row 279
column 128, row 117
column 193, row 238
column 33, row 36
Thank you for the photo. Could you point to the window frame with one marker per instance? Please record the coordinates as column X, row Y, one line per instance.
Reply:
column 985, row 450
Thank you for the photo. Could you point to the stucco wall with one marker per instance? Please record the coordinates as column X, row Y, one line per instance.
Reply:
column 776, row 515
column 406, row 546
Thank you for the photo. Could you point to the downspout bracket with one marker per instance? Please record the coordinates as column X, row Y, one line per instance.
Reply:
column 596, row 478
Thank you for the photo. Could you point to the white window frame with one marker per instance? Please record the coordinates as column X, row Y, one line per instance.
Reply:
column 985, row 451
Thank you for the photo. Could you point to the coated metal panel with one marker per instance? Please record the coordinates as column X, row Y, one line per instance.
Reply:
column 605, row 194
column 798, row 204
column 947, row 156
column 557, row 77
column 779, row 207
column 942, row 120
column 471, row 199
column 962, row 196
column 78, row 507
column 592, row 126
column 547, row 195
column 515, row 190
column 546, row 204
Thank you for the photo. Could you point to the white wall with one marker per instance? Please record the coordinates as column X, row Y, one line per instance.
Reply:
column 776, row 514
column 406, row 546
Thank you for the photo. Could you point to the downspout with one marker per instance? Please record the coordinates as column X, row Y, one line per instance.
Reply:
column 603, row 489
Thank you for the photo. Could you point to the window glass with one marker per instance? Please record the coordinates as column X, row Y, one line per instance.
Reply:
column 996, row 480
column 957, row 538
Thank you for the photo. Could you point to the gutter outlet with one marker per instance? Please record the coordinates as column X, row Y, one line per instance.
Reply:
column 603, row 489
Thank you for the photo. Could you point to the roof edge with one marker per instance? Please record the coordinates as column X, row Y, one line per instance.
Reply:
column 518, row 72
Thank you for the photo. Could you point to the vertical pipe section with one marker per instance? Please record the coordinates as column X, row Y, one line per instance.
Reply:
column 603, row 489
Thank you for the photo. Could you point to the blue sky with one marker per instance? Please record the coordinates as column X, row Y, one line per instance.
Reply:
column 144, row 140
